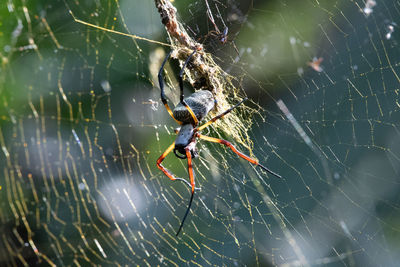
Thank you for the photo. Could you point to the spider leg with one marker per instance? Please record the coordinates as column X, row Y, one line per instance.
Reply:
column 191, row 175
column 240, row 154
column 181, row 74
column 161, row 83
column 167, row 172
column 219, row 116
column 195, row 120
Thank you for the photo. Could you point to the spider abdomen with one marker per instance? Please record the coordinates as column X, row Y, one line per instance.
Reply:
column 201, row 102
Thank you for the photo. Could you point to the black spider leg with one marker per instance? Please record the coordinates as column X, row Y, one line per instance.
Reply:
column 205, row 125
column 181, row 74
column 195, row 120
column 161, row 79
column 186, row 214
column 192, row 183
column 161, row 83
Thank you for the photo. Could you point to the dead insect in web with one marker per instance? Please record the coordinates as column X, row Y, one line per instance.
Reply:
column 221, row 36
column 188, row 113
column 316, row 64
column 390, row 30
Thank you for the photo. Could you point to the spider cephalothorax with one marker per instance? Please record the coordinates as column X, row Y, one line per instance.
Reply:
column 183, row 139
column 188, row 113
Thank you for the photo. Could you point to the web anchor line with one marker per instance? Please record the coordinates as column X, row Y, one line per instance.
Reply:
column 306, row 138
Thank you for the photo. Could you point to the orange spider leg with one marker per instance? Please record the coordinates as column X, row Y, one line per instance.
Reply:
column 161, row 158
column 167, row 172
column 190, row 169
column 171, row 113
column 191, row 175
column 195, row 120
column 240, row 154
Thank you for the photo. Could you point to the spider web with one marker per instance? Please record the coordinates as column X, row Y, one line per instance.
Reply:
column 82, row 126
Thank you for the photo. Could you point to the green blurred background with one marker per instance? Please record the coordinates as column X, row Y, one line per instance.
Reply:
column 81, row 126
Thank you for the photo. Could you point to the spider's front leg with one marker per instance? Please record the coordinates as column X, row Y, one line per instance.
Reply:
column 167, row 172
column 161, row 83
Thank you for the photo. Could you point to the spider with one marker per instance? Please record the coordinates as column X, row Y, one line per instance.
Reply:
column 188, row 113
